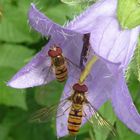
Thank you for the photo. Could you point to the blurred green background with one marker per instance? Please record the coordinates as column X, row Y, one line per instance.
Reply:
column 18, row 44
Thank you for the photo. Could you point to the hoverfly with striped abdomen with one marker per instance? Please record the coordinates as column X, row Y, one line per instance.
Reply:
column 77, row 108
column 59, row 63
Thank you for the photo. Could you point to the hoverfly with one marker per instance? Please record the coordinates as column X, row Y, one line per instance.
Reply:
column 85, row 49
column 78, row 108
column 59, row 63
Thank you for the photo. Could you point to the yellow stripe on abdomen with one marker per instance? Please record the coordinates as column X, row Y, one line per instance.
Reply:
column 74, row 121
column 61, row 73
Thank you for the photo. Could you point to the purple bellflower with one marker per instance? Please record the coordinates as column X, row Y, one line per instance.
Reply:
column 115, row 45
column 110, row 43
column 70, row 40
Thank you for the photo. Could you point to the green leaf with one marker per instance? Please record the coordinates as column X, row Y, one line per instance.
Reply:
column 60, row 17
column 10, row 96
column 85, row 128
column 13, row 23
column 102, row 132
column 4, row 130
column 77, row 6
column 49, row 94
column 128, row 13
column 14, row 55
column 134, row 66
column 134, row 85
column 54, row 9
column 137, row 57
column 21, row 129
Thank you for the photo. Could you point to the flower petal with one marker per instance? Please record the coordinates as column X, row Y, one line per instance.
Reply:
column 87, row 20
column 124, row 106
column 38, row 71
column 45, row 26
column 34, row 73
column 98, row 88
column 111, row 42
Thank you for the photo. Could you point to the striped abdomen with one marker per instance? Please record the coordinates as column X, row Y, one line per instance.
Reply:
column 75, row 119
column 61, row 72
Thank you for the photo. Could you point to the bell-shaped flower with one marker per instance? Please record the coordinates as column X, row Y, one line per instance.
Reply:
column 110, row 43
column 70, row 40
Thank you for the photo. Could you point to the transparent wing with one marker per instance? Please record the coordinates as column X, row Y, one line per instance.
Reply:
column 97, row 120
column 74, row 70
column 49, row 71
column 45, row 114
column 42, row 115
column 72, row 63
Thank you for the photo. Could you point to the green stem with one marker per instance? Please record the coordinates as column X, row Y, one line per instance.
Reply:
column 87, row 69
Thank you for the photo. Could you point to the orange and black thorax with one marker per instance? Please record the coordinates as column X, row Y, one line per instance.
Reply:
column 79, row 93
column 76, row 112
column 58, row 63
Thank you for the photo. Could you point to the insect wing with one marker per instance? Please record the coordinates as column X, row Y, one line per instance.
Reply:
column 97, row 120
column 48, row 71
column 74, row 70
column 45, row 114
column 42, row 115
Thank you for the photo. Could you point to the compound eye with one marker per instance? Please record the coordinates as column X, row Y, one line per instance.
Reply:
column 80, row 88
column 55, row 51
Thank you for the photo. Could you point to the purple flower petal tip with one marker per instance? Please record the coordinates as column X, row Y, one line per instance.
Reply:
column 34, row 73
column 39, row 21
column 44, row 25
column 124, row 106
column 34, row 77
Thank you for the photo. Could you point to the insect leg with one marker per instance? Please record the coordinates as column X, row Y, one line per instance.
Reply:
column 64, row 112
